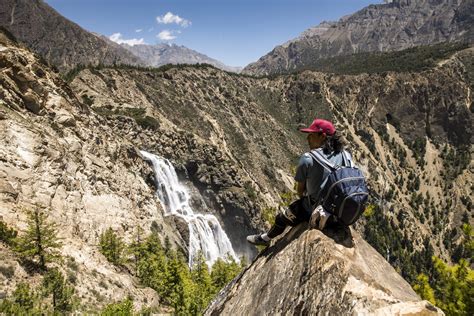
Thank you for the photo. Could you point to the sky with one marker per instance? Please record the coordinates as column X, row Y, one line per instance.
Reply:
column 235, row 32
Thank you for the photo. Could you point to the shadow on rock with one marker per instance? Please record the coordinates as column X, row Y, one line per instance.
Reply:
column 341, row 235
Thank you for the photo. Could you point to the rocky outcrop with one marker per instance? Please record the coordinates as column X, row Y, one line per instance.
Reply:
column 393, row 26
column 309, row 272
column 56, row 39
column 162, row 54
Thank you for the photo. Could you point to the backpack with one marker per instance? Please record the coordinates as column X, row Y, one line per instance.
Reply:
column 345, row 192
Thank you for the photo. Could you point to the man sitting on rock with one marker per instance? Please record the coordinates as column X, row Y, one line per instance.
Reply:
column 310, row 177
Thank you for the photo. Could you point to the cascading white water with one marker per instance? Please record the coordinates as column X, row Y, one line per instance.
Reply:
column 205, row 231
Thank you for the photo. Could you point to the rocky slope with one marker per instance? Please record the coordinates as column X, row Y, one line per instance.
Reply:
column 56, row 39
column 323, row 275
column 57, row 154
column 397, row 25
column 162, row 54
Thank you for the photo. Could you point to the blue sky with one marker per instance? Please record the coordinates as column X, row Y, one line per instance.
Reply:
column 235, row 32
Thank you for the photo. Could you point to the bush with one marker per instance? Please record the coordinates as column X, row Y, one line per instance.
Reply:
column 7, row 271
column 7, row 234
column 148, row 122
column 123, row 308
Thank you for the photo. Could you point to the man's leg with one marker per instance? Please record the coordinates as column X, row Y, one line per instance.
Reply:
column 291, row 216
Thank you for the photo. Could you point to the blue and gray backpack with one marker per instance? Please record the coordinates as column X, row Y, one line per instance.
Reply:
column 345, row 192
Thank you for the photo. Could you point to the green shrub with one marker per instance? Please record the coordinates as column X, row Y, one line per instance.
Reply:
column 123, row 308
column 7, row 234
column 7, row 271
column 148, row 122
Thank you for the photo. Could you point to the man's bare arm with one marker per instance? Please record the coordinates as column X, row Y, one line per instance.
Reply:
column 300, row 188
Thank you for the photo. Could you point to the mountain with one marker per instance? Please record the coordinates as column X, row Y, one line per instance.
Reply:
column 56, row 39
column 162, row 54
column 73, row 148
column 324, row 275
column 393, row 26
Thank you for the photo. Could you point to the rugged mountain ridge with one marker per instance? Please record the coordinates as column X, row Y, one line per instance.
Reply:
column 162, row 54
column 393, row 26
column 56, row 39
column 323, row 273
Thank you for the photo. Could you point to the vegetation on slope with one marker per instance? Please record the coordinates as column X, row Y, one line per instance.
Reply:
column 188, row 290
column 414, row 59
column 448, row 287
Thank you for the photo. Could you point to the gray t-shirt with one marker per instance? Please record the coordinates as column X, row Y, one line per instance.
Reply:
column 313, row 174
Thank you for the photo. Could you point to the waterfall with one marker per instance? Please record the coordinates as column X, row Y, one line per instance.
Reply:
column 205, row 231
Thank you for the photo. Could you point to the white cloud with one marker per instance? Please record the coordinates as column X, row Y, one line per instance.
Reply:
column 138, row 30
column 117, row 38
column 166, row 35
column 170, row 18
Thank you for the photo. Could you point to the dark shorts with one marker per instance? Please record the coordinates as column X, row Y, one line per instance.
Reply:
column 300, row 211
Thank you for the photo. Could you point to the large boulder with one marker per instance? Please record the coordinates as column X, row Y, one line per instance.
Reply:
column 309, row 272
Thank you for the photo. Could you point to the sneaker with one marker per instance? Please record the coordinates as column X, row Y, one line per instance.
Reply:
column 257, row 240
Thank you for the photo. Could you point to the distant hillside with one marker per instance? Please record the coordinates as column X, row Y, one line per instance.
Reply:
column 162, row 54
column 393, row 26
column 413, row 59
column 58, row 40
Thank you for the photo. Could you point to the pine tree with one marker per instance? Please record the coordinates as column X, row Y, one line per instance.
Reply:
column 62, row 294
column 454, row 287
column 39, row 241
column 179, row 284
column 112, row 246
column 151, row 264
column 223, row 271
column 203, row 286
column 423, row 288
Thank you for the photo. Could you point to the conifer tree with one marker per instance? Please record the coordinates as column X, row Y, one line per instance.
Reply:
column 223, row 271
column 39, row 241
column 112, row 246
column 55, row 285
column 151, row 264
column 203, row 286
column 423, row 288
column 179, row 283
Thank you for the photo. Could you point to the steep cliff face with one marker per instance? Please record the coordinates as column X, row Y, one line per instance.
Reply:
column 56, row 39
column 386, row 27
column 311, row 273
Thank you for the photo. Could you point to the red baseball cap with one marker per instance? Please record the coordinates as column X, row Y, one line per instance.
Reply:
column 320, row 126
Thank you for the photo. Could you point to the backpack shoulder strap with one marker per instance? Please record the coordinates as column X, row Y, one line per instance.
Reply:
column 323, row 161
column 347, row 159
